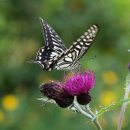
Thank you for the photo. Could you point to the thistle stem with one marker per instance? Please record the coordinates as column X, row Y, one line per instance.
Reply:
column 89, row 110
column 97, row 124
column 79, row 109
column 127, row 91
column 95, row 120
column 89, row 115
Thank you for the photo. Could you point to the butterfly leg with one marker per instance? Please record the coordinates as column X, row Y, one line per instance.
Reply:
column 76, row 68
column 65, row 72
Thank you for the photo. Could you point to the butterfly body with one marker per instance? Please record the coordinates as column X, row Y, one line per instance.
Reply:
column 54, row 55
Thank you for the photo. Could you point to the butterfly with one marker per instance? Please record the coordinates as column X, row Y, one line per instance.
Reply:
column 55, row 55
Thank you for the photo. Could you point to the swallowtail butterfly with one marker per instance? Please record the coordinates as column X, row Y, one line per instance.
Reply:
column 55, row 55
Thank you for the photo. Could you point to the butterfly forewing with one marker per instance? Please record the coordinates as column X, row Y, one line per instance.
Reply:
column 69, row 59
column 52, row 40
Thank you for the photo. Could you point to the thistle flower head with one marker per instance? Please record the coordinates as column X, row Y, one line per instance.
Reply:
column 80, row 83
column 75, row 85
column 55, row 91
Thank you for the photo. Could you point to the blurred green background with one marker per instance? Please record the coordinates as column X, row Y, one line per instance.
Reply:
column 20, row 38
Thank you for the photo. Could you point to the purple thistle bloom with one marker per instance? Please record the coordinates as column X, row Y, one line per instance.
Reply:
column 55, row 91
column 80, row 83
column 77, row 85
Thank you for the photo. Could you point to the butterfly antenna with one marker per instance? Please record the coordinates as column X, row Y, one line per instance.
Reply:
column 90, row 58
column 31, row 61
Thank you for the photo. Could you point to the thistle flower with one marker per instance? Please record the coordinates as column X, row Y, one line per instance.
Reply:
column 79, row 85
column 55, row 91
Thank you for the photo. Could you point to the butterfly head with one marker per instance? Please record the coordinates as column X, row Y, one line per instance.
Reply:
column 43, row 58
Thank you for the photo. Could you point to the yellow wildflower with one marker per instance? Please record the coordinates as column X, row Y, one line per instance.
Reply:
column 110, row 77
column 107, row 98
column 10, row 102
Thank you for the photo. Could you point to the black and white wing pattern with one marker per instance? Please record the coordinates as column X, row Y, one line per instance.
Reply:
column 52, row 40
column 69, row 59
column 54, row 46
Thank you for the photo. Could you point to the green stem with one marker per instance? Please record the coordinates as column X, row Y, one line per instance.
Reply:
column 89, row 115
column 95, row 119
column 123, row 109
column 97, row 124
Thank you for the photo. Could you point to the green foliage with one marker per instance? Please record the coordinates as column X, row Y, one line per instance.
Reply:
column 112, row 106
column 20, row 38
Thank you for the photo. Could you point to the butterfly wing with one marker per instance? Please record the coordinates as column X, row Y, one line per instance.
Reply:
column 52, row 40
column 69, row 59
column 54, row 46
